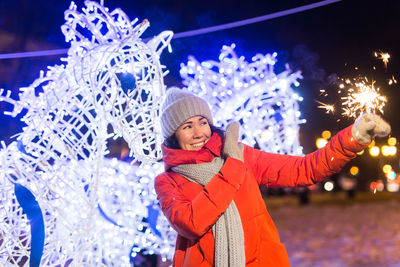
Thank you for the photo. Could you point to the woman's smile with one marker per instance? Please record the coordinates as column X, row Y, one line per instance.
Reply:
column 201, row 144
column 194, row 133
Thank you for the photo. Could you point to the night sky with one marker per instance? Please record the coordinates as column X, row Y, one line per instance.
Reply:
column 323, row 43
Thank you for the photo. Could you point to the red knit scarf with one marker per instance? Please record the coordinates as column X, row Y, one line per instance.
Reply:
column 174, row 157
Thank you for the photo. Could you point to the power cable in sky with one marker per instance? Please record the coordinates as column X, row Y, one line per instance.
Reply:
column 192, row 32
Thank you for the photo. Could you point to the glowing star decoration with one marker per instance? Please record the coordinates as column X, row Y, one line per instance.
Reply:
column 362, row 96
column 94, row 211
column 251, row 93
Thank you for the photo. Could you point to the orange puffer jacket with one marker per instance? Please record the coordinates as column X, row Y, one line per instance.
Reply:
column 192, row 209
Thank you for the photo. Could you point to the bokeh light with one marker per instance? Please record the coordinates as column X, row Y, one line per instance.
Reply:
column 374, row 151
column 392, row 141
column 380, row 186
column 354, row 170
column 329, row 185
column 388, row 150
column 392, row 187
column 373, row 186
column 391, row 175
column 385, row 150
column 387, row 168
column 392, row 150
column 326, row 134
column 321, row 142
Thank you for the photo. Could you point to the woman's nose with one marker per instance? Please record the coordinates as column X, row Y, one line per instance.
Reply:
column 196, row 132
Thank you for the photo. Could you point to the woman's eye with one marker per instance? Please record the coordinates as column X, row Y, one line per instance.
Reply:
column 187, row 127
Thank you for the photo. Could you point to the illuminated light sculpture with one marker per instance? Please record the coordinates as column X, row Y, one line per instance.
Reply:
column 251, row 93
column 95, row 211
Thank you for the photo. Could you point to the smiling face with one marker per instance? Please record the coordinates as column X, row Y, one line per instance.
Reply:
column 193, row 133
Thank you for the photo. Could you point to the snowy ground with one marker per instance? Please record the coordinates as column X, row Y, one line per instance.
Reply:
column 346, row 233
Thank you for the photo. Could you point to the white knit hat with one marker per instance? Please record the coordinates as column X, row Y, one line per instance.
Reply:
column 180, row 105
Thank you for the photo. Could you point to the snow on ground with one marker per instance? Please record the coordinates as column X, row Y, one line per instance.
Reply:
column 353, row 235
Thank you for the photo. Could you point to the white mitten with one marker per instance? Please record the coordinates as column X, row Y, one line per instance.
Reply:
column 231, row 147
column 369, row 125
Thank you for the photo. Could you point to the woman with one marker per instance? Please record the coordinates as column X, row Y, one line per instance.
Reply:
column 210, row 188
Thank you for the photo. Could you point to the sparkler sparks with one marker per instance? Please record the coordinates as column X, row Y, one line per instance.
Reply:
column 328, row 108
column 392, row 80
column 362, row 96
column 323, row 92
column 384, row 56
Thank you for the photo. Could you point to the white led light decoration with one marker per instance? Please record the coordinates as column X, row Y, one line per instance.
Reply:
column 251, row 93
column 95, row 211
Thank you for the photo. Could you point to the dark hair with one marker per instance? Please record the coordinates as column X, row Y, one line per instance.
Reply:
column 172, row 141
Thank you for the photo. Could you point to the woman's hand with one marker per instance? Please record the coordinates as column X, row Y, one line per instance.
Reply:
column 369, row 125
column 231, row 147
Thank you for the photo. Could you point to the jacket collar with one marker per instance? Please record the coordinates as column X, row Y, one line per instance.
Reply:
column 175, row 157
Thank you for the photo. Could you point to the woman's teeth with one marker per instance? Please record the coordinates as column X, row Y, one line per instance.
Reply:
column 198, row 144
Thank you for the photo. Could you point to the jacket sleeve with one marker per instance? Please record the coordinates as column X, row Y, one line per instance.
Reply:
column 193, row 218
column 275, row 170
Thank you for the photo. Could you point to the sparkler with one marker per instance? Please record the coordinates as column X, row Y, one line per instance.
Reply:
column 362, row 96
